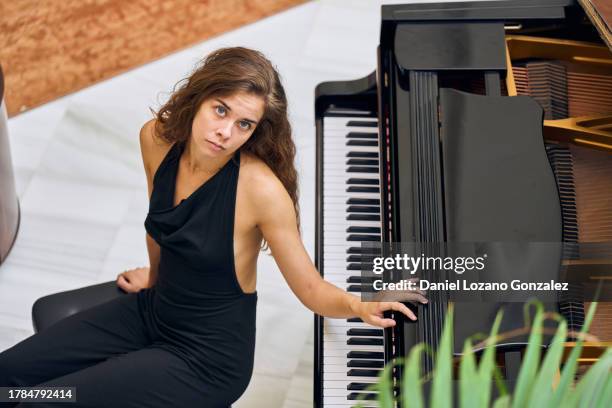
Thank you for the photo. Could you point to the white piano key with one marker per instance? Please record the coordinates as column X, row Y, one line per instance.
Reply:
column 335, row 244
column 344, row 376
column 342, row 384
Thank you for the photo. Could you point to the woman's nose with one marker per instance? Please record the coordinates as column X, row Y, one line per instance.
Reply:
column 225, row 129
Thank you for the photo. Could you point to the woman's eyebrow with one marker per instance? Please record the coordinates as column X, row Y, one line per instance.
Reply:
column 224, row 104
column 251, row 121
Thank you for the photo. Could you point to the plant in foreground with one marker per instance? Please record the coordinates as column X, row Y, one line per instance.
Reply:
column 541, row 382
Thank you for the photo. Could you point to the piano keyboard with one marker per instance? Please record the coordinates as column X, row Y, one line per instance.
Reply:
column 353, row 351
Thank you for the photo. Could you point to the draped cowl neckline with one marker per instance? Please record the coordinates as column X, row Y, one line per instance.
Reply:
column 183, row 228
column 170, row 164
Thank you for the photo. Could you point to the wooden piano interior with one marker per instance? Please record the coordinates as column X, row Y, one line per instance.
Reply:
column 577, row 75
column 583, row 129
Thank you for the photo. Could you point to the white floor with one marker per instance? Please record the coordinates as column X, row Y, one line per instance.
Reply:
column 83, row 192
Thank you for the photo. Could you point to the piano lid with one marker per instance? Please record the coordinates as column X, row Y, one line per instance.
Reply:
column 359, row 93
column 600, row 14
column 549, row 18
column 476, row 10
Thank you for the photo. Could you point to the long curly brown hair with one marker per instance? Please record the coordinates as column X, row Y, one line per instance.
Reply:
column 222, row 73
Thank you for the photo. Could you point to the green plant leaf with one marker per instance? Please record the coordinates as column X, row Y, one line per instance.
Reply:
column 502, row 402
column 412, row 393
column 487, row 364
column 468, row 377
column 531, row 361
column 592, row 384
column 442, row 387
column 542, row 391
column 499, row 381
column 606, row 395
column 385, row 388
column 571, row 363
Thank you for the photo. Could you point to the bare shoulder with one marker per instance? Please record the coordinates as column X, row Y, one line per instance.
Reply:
column 261, row 184
column 153, row 148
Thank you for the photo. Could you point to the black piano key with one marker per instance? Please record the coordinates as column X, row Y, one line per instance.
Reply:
column 354, row 288
column 362, row 169
column 363, row 201
column 363, row 237
column 362, row 209
column 359, row 266
column 358, row 372
column 365, row 332
column 360, row 258
column 362, row 123
column 362, row 162
column 363, row 181
column 359, row 142
column 362, row 135
column 364, row 341
column 361, row 279
column 366, row 364
column 372, row 355
column 363, row 217
column 360, row 189
column 363, row 155
column 360, row 288
column 354, row 320
column 365, row 230
column 362, row 251
column 368, row 396
column 354, row 386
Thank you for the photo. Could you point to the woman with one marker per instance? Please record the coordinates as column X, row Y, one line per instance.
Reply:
column 219, row 164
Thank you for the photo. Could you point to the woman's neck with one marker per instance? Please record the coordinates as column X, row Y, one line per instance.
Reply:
column 197, row 163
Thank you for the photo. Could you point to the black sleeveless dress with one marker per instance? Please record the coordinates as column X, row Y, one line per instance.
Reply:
column 186, row 342
column 197, row 308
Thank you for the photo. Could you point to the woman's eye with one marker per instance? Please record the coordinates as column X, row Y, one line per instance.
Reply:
column 244, row 125
column 220, row 110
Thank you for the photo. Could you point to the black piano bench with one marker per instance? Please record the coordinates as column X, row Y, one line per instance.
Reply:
column 52, row 308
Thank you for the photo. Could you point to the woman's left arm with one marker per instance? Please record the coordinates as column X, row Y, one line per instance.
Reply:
column 277, row 221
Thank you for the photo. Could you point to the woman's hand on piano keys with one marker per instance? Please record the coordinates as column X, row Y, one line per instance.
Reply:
column 372, row 312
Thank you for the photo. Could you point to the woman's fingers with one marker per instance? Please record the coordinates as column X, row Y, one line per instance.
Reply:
column 123, row 283
column 133, row 280
column 399, row 307
column 375, row 314
column 380, row 322
column 413, row 296
column 126, row 276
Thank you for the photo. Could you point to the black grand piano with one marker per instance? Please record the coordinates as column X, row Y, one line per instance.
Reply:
column 470, row 130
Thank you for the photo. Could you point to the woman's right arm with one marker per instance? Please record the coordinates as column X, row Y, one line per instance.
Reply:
column 152, row 154
column 149, row 156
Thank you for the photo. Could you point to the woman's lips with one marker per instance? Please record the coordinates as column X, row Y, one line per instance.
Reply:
column 215, row 146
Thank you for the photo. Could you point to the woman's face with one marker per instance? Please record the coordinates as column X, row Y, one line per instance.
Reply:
column 224, row 123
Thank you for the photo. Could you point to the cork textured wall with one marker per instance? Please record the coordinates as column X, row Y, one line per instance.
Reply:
column 51, row 48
